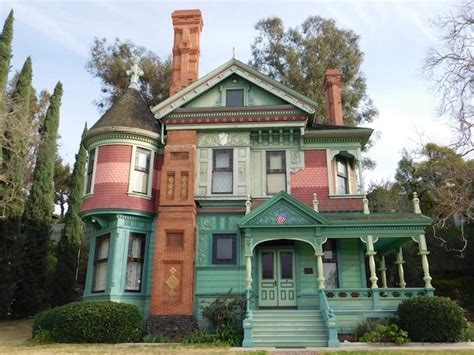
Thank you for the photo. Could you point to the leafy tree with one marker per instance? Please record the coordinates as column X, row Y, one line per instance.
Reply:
column 69, row 245
column 6, row 38
column 37, row 216
column 387, row 196
column 109, row 63
column 451, row 67
column 299, row 57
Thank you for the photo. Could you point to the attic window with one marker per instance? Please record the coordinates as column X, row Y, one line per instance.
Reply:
column 234, row 98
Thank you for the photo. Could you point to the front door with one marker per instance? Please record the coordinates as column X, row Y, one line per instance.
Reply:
column 277, row 278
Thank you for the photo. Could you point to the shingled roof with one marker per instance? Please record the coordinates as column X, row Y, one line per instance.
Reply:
column 130, row 111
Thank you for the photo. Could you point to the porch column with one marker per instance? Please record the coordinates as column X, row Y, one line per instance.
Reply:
column 319, row 253
column 401, row 272
column 369, row 240
column 248, row 278
column 383, row 271
column 423, row 252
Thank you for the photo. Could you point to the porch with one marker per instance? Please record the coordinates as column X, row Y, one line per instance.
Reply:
column 274, row 279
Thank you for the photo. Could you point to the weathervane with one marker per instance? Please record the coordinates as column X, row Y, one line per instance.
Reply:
column 135, row 71
column 234, row 54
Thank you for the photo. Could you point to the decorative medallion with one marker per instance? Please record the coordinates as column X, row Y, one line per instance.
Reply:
column 281, row 218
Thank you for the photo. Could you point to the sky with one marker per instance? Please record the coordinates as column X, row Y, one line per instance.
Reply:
column 394, row 36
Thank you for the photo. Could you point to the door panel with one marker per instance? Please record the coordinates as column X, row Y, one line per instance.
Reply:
column 268, row 285
column 277, row 278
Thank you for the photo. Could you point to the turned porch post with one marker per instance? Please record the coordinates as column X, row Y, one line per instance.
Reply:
column 319, row 264
column 401, row 272
column 383, row 271
column 248, row 278
column 423, row 252
column 369, row 241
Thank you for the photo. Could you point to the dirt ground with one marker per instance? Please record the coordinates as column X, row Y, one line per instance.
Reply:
column 15, row 332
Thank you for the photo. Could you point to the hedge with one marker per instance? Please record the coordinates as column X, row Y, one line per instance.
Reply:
column 432, row 319
column 92, row 322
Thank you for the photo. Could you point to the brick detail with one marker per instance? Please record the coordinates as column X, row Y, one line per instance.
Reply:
column 173, row 328
column 332, row 87
column 173, row 275
column 187, row 26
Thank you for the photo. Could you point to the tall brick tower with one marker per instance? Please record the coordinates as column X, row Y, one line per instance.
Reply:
column 172, row 297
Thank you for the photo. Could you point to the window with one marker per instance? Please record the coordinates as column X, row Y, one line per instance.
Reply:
column 276, row 172
column 222, row 171
column 330, row 264
column 90, row 170
column 224, row 249
column 101, row 258
column 141, row 171
column 136, row 256
column 342, row 176
column 234, row 97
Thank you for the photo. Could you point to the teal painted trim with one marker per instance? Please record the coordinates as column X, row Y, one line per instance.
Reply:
column 297, row 273
column 116, row 211
column 105, row 138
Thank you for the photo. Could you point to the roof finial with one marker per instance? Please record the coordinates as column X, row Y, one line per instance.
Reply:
column 416, row 203
column 135, row 71
column 248, row 205
column 234, row 54
column 315, row 202
column 365, row 200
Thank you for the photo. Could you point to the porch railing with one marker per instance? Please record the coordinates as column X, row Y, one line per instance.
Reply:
column 382, row 298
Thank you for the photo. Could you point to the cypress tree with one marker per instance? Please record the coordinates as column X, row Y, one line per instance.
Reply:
column 70, row 243
column 6, row 38
column 12, row 190
column 37, row 216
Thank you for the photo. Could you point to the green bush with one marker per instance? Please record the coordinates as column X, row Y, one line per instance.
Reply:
column 198, row 337
column 45, row 337
column 390, row 333
column 154, row 339
column 226, row 311
column 223, row 336
column 370, row 325
column 92, row 322
column 432, row 319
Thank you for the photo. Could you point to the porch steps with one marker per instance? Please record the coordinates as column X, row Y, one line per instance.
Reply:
column 289, row 328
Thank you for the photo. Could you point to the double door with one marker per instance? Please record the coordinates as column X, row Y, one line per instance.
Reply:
column 277, row 278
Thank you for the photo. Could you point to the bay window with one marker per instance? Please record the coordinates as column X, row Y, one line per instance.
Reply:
column 135, row 260
column 141, row 171
column 101, row 258
column 342, row 175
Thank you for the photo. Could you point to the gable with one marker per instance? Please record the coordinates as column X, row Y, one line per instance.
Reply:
column 224, row 72
column 253, row 94
column 282, row 210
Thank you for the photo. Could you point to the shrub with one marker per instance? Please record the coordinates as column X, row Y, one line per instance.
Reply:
column 390, row 333
column 45, row 336
column 369, row 325
column 226, row 311
column 431, row 319
column 154, row 339
column 225, row 335
column 198, row 337
column 92, row 322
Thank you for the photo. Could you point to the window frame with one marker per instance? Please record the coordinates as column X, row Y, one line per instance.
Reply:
column 100, row 261
column 224, row 262
column 94, row 153
column 228, row 90
column 333, row 260
column 140, row 259
column 133, row 162
column 277, row 171
column 230, row 169
column 344, row 175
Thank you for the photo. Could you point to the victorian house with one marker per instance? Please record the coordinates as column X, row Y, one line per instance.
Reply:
column 229, row 184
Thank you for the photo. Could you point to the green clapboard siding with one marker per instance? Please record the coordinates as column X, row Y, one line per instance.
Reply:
column 221, row 280
column 349, row 263
column 308, row 283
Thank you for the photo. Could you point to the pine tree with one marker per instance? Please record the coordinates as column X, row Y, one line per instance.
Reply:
column 69, row 245
column 37, row 216
column 6, row 38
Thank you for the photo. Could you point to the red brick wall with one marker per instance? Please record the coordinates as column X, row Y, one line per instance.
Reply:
column 314, row 178
column 112, row 180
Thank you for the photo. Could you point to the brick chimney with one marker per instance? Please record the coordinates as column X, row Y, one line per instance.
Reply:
column 187, row 26
column 332, row 87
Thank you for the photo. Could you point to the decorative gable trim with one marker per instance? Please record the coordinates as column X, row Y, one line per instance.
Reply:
column 283, row 210
column 220, row 74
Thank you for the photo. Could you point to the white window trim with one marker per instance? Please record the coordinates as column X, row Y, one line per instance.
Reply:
column 131, row 179
column 234, row 86
column 332, row 173
column 94, row 171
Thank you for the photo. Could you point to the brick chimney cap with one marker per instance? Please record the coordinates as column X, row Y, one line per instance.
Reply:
column 190, row 16
column 332, row 76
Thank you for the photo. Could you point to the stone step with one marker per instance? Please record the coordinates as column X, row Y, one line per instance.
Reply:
column 281, row 334
column 290, row 344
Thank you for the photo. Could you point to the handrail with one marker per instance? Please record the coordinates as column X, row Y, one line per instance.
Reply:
column 389, row 292
column 329, row 318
